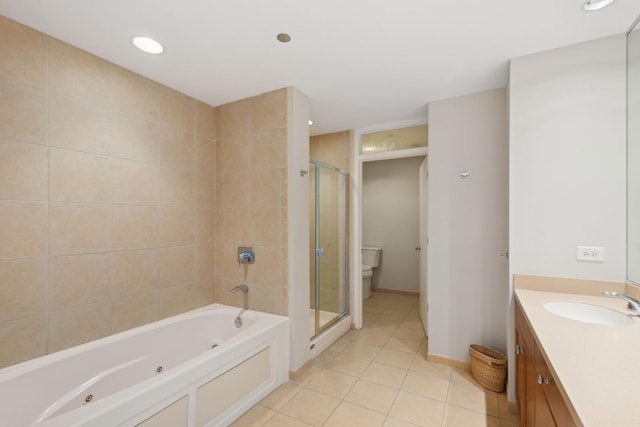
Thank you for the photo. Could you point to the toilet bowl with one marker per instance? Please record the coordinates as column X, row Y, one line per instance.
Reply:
column 367, row 272
column 370, row 260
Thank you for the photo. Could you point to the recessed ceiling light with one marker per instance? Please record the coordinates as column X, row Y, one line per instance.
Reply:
column 590, row 5
column 147, row 44
column 283, row 38
column 310, row 122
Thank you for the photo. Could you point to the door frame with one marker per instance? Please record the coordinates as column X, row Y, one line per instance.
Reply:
column 357, row 161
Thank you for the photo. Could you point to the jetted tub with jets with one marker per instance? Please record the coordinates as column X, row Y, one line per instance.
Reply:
column 195, row 369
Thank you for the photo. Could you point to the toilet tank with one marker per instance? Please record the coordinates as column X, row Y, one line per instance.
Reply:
column 371, row 255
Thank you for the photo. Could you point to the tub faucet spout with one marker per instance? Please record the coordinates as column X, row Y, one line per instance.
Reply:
column 634, row 304
column 245, row 290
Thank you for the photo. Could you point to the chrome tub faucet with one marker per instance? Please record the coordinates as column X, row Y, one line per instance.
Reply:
column 245, row 290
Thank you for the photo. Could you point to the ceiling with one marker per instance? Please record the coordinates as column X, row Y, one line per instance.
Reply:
column 360, row 62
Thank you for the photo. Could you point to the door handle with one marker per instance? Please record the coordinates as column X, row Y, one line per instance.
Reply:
column 319, row 251
column 505, row 254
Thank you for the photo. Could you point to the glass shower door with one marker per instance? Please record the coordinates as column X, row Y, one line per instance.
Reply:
column 329, row 291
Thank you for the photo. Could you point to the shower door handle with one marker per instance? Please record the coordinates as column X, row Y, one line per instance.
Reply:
column 319, row 251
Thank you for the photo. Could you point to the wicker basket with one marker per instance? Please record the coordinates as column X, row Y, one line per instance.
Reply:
column 488, row 367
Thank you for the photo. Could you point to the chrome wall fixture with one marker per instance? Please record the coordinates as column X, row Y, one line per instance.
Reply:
column 246, row 255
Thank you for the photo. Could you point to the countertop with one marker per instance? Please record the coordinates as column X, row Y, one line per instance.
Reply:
column 597, row 367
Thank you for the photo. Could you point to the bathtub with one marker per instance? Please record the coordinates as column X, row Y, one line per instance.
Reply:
column 195, row 369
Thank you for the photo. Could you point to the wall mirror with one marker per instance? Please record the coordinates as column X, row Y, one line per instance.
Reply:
column 633, row 154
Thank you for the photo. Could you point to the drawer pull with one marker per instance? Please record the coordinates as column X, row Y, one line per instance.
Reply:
column 518, row 350
column 542, row 380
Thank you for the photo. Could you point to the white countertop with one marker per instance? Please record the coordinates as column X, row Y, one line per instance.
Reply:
column 597, row 367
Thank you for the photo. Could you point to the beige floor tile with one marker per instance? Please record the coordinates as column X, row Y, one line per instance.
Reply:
column 410, row 333
column 460, row 417
column 393, row 315
column 349, row 365
column 412, row 323
column 462, row 376
column 281, row 395
column 351, row 334
column 434, row 369
column 339, row 345
column 394, row 422
column 281, row 420
column 254, row 417
column 332, row 383
column 403, row 305
column 426, row 386
column 310, row 406
column 383, row 378
column 417, row 410
column 373, row 337
column 371, row 395
column 347, row 414
column 387, row 321
column 369, row 317
column 385, row 375
column 399, row 312
column 379, row 329
column 373, row 309
column 306, row 376
column 474, row 398
column 403, row 344
column 325, row 358
column 399, row 359
column 363, row 351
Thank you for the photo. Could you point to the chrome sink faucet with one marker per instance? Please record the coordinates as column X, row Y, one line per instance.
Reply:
column 245, row 290
column 634, row 304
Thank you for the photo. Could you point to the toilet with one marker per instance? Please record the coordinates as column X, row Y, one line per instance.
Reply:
column 370, row 260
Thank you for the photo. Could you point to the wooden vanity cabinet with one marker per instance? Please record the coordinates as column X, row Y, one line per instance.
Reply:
column 539, row 399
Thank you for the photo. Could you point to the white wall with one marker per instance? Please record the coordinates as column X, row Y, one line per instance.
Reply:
column 390, row 220
column 567, row 162
column 298, row 226
column 468, row 222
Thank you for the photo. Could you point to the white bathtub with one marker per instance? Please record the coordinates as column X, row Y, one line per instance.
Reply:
column 162, row 374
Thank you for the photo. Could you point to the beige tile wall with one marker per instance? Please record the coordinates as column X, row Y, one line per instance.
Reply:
column 107, row 195
column 251, row 199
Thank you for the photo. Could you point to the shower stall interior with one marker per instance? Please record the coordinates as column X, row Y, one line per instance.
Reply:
column 328, row 246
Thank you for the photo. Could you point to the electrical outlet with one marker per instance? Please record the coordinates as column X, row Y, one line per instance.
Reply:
column 590, row 253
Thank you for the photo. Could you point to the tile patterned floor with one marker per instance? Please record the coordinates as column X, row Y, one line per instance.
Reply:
column 379, row 377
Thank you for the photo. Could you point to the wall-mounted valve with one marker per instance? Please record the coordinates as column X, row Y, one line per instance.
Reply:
column 246, row 255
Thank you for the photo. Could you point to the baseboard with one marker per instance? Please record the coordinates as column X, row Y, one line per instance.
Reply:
column 295, row 375
column 395, row 291
column 459, row 364
column 512, row 407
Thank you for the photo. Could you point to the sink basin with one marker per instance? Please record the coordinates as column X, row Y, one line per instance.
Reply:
column 588, row 313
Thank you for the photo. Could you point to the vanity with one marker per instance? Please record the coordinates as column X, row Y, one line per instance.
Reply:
column 574, row 372
column 576, row 351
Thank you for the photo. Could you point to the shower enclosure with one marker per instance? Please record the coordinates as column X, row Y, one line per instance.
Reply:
column 328, row 241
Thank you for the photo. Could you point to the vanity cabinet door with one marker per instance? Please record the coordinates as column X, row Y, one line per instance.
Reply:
column 542, row 412
column 551, row 393
column 539, row 399
column 525, row 370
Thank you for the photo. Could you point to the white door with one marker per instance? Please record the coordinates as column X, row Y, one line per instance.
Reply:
column 422, row 203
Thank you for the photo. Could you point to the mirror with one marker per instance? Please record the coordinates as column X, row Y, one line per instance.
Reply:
column 633, row 154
